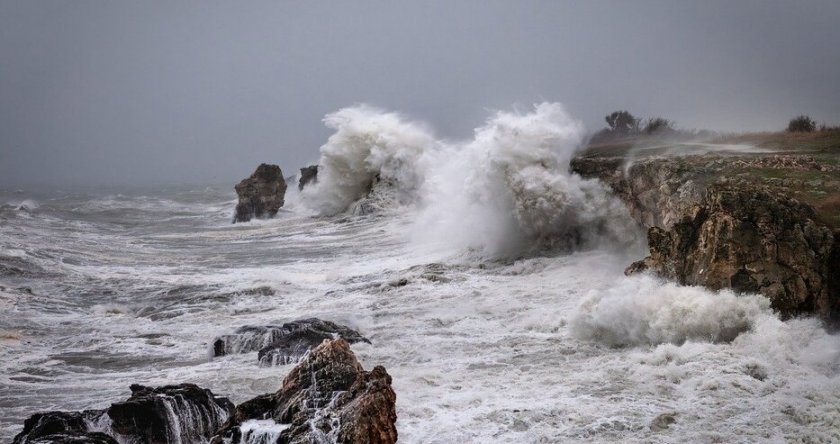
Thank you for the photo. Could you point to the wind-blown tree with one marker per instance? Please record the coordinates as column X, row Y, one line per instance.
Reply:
column 801, row 124
column 622, row 122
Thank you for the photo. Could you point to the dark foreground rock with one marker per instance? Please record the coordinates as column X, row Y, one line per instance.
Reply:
column 148, row 414
column 175, row 413
column 726, row 222
column 284, row 344
column 327, row 397
column 74, row 438
column 260, row 195
column 61, row 427
column 308, row 175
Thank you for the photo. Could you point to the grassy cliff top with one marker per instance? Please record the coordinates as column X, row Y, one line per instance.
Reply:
column 805, row 166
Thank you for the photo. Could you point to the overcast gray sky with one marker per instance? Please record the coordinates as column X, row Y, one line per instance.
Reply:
column 96, row 92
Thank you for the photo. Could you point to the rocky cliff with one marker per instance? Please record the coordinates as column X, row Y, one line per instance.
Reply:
column 752, row 222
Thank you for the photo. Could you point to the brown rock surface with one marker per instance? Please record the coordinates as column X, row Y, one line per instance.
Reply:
column 328, row 396
column 729, row 222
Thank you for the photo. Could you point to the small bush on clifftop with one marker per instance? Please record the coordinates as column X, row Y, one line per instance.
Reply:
column 803, row 124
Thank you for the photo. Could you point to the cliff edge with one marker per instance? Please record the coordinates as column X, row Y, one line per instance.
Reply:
column 740, row 216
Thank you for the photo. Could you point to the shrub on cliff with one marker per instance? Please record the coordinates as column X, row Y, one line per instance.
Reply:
column 658, row 125
column 801, row 124
column 622, row 122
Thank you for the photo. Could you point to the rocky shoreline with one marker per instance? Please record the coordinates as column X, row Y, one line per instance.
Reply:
column 754, row 222
column 326, row 397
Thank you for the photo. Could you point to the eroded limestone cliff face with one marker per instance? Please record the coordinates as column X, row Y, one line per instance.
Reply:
column 715, row 221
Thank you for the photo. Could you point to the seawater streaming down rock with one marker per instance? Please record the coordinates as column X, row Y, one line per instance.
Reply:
column 327, row 397
column 283, row 344
column 183, row 413
column 260, row 195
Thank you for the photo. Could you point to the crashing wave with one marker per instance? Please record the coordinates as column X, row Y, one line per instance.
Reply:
column 645, row 311
column 507, row 190
column 369, row 149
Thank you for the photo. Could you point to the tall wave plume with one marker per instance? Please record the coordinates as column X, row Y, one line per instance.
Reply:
column 372, row 154
column 506, row 191
column 510, row 190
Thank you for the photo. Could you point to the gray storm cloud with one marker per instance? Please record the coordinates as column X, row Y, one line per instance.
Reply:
column 201, row 92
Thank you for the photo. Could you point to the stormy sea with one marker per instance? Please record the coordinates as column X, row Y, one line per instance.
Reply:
column 488, row 279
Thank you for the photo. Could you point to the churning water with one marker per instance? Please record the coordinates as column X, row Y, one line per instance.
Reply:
column 488, row 279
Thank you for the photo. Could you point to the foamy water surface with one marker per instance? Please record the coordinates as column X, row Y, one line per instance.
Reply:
column 487, row 340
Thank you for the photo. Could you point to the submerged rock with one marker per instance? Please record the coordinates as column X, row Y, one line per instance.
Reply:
column 327, row 397
column 284, row 344
column 170, row 414
column 308, row 175
column 260, row 195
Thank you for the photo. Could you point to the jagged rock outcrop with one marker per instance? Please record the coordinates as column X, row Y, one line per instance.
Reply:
column 283, row 344
column 260, row 195
column 327, row 397
column 175, row 413
column 308, row 175
column 751, row 240
column 713, row 223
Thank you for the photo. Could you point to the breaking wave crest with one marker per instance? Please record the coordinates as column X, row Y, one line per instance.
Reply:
column 647, row 311
column 506, row 191
column 510, row 188
column 370, row 148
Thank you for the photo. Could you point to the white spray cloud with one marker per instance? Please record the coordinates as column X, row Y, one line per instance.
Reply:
column 368, row 145
column 645, row 310
column 510, row 188
column 506, row 191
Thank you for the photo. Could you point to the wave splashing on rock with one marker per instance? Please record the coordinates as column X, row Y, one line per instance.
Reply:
column 505, row 192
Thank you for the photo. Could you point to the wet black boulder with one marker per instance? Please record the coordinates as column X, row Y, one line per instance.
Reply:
column 147, row 416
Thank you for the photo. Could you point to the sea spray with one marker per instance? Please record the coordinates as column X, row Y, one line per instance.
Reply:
column 505, row 192
column 369, row 146
column 509, row 190
column 644, row 310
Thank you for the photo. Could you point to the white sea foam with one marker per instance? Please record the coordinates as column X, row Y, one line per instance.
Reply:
column 645, row 310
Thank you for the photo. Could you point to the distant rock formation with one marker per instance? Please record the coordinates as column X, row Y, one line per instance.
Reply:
column 327, row 397
column 283, row 344
column 307, row 175
column 717, row 222
column 175, row 413
column 260, row 195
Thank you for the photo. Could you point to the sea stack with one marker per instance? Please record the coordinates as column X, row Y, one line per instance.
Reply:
column 260, row 195
column 308, row 174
